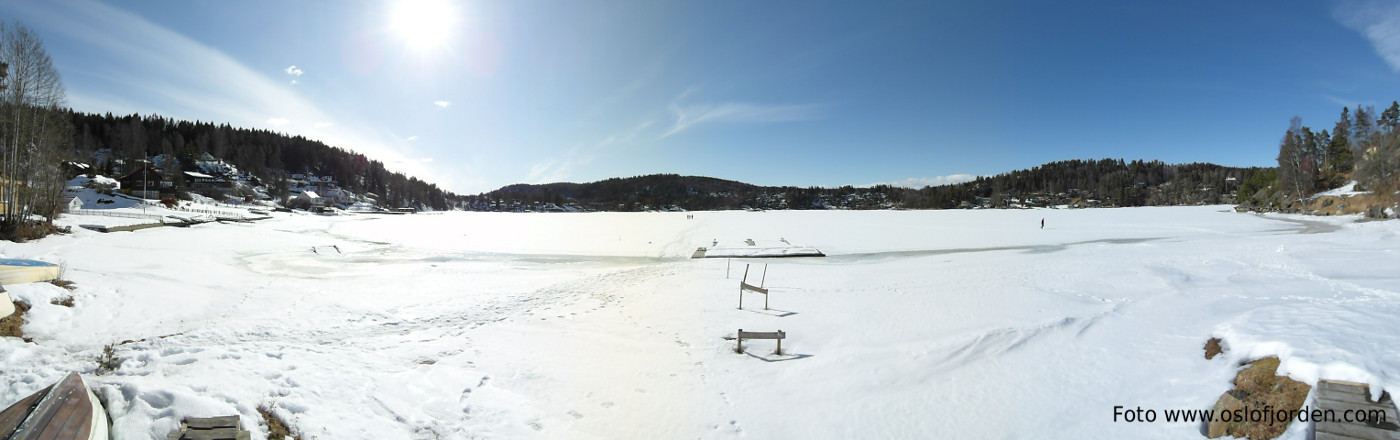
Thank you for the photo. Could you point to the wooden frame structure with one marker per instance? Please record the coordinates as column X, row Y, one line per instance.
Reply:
column 742, row 335
column 744, row 285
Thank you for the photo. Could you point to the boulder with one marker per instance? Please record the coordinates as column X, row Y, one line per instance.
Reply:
column 1230, row 401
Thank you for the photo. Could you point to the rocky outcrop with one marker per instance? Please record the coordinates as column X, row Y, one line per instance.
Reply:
column 1249, row 410
column 1368, row 205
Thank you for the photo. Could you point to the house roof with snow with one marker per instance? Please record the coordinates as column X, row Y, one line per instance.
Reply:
column 148, row 170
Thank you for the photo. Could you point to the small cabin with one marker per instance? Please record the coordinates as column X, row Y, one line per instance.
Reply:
column 194, row 178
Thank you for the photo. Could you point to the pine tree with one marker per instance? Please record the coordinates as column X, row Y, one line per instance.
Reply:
column 1363, row 127
column 1390, row 118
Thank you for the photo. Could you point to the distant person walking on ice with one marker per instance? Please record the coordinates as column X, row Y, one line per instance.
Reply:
column 1042, row 223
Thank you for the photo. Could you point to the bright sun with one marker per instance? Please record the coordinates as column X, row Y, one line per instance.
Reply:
column 423, row 24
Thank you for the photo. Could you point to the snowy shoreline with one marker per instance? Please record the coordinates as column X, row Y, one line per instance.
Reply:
column 971, row 324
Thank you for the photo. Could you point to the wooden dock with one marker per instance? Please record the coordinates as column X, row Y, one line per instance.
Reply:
column 1340, row 397
column 211, row 428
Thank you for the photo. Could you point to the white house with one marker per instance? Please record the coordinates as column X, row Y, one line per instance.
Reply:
column 310, row 197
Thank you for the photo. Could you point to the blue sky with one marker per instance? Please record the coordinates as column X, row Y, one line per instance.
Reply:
column 474, row 95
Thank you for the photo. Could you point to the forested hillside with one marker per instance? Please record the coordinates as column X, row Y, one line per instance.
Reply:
column 1080, row 183
column 1106, row 182
column 265, row 154
column 1363, row 146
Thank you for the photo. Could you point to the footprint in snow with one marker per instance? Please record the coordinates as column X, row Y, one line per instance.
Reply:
column 158, row 399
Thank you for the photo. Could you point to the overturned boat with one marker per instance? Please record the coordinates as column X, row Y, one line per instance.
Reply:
column 66, row 410
column 19, row 271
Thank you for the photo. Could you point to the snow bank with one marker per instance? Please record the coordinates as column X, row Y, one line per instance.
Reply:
column 1345, row 190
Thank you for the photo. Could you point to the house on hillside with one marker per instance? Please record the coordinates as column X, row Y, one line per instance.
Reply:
column 73, row 169
column 194, row 178
column 146, row 182
column 311, row 198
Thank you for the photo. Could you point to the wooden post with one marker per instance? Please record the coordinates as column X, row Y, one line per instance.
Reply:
column 726, row 267
column 741, row 287
column 739, row 337
column 780, row 339
column 761, row 281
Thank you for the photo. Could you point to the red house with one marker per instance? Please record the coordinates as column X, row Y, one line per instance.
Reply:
column 145, row 182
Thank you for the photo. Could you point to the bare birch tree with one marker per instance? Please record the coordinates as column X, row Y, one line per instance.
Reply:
column 1295, row 164
column 31, row 129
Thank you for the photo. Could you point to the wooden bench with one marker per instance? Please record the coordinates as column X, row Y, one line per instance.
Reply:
column 210, row 428
column 1339, row 396
column 778, row 335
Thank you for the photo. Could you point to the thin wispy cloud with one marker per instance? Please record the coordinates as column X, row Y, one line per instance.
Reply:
column 168, row 73
column 294, row 72
column 560, row 167
column 1379, row 22
column 442, row 104
column 411, row 138
column 549, row 171
column 920, row 182
column 689, row 116
column 1348, row 103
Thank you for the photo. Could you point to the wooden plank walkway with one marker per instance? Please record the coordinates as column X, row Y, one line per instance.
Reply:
column 1340, row 397
column 210, row 428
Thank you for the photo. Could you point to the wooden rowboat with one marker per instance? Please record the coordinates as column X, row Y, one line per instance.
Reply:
column 17, row 271
column 66, row 410
column 7, row 305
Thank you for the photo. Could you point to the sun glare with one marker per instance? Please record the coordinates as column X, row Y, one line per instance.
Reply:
column 423, row 24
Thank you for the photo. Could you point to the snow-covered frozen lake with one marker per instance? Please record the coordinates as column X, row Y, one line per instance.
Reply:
column 919, row 324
